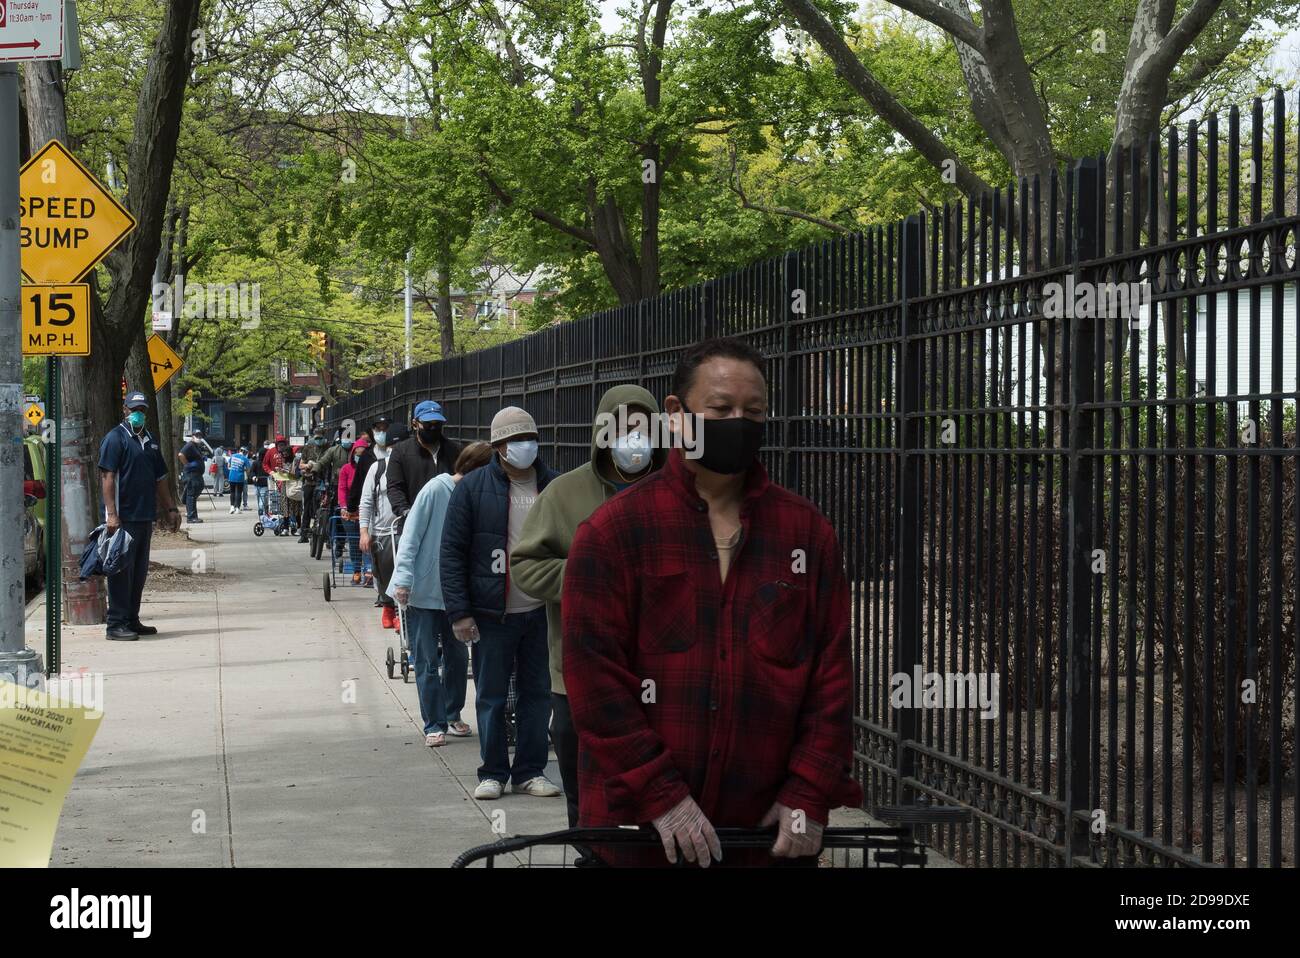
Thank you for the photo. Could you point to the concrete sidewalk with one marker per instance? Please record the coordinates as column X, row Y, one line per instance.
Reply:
column 259, row 727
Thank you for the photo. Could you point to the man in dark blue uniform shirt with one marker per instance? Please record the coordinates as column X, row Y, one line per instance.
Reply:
column 133, row 479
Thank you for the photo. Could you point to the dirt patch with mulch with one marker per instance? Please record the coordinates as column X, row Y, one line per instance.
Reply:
column 162, row 539
column 170, row 578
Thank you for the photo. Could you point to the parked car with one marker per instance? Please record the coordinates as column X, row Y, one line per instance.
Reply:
column 34, row 508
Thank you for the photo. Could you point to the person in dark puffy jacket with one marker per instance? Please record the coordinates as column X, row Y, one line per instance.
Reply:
column 485, row 519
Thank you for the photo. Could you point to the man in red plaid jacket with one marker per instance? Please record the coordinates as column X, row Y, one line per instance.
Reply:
column 706, row 639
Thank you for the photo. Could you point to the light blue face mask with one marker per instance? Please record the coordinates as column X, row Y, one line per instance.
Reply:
column 136, row 419
column 381, row 439
column 521, row 454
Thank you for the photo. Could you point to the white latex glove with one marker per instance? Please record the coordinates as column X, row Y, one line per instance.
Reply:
column 465, row 630
column 402, row 595
column 799, row 835
column 685, row 826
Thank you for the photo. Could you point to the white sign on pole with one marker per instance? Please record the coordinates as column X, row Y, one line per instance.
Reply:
column 162, row 322
column 31, row 29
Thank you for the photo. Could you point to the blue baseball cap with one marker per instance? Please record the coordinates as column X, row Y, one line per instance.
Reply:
column 136, row 400
column 429, row 411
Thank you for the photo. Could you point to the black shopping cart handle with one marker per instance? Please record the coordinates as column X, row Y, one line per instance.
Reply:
column 860, row 837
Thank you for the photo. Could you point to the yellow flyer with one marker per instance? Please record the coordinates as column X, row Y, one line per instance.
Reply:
column 43, row 742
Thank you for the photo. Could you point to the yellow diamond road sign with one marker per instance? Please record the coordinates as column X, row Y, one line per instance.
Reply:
column 163, row 360
column 35, row 414
column 68, row 220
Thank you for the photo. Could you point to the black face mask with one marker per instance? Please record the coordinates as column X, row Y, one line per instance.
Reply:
column 728, row 446
column 431, row 433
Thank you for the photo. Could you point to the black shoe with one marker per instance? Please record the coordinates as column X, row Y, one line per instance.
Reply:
column 139, row 628
column 302, row 539
column 121, row 633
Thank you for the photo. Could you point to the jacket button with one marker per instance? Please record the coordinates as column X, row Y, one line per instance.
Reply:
column 700, row 507
column 713, row 706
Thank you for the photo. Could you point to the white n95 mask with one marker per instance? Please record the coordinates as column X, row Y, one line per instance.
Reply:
column 631, row 453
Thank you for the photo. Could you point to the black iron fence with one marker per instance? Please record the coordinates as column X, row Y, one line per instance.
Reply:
column 1055, row 428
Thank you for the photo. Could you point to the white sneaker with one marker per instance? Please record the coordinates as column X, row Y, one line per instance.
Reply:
column 539, row 787
column 488, row 789
column 232, row 510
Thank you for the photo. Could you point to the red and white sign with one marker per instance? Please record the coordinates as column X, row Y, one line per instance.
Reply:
column 31, row 29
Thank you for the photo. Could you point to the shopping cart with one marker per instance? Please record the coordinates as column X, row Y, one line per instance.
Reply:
column 402, row 657
column 346, row 556
column 865, row 847
column 274, row 519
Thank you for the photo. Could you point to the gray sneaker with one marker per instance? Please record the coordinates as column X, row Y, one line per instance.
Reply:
column 539, row 787
column 488, row 789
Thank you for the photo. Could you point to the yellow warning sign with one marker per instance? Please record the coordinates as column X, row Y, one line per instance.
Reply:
column 56, row 320
column 68, row 221
column 163, row 360
column 35, row 414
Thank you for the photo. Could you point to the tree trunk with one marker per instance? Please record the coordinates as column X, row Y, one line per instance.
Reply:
column 446, row 319
column 152, row 156
column 84, row 601
column 168, row 257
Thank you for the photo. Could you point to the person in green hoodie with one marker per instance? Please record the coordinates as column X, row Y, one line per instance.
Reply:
column 623, row 451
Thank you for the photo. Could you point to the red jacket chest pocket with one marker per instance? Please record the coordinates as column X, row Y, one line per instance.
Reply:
column 777, row 625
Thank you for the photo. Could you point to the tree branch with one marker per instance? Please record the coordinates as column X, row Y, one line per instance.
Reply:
column 856, row 74
column 947, row 20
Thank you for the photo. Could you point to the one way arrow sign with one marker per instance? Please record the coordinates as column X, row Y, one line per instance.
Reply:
column 31, row 29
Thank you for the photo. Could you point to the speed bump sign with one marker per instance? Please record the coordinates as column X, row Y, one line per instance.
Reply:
column 56, row 320
column 68, row 220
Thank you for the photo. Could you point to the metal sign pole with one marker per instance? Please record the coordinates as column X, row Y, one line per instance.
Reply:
column 16, row 660
column 54, row 519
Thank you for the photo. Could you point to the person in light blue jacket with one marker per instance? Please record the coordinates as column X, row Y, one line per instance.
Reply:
column 416, row 586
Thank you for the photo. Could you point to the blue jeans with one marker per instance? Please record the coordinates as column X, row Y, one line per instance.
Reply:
column 432, row 645
column 424, row 627
column 518, row 643
column 261, row 500
column 455, row 670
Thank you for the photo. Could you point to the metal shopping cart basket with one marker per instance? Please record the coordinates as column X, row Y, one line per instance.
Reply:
column 402, row 657
column 274, row 518
column 346, row 556
column 864, row 847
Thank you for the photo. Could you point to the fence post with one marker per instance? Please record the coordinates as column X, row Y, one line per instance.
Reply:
column 708, row 309
column 790, row 399
column 1079, row 517
column 907, row 623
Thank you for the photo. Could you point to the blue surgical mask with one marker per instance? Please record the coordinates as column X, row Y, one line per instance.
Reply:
column 136, row 419
column 521, row 454
column 381, row 438
column 346, row 444
column 631, row 453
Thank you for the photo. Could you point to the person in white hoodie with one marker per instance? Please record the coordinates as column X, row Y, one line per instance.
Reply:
column 375, row 517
